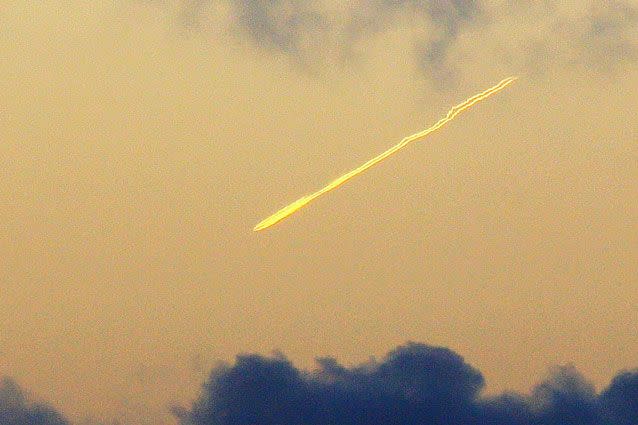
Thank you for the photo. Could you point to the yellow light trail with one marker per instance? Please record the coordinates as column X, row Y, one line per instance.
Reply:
column 301, row 202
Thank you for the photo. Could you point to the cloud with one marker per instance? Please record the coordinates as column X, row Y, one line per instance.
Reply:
column 16, row 409
column 611, row 33
column 598, row 36
column 289, row 26
column 438, row 23
column 591, row 34
column 311, row 32
column 413, row 384
column 620, row 399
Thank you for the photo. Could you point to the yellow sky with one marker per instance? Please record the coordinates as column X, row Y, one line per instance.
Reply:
column 136, row 157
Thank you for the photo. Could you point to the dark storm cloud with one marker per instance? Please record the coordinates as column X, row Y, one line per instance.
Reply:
column 414, row 384
column 16, row 409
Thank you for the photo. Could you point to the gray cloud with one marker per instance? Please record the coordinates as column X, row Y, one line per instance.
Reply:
column 310, row 33
column 599, row 36
column 608, row 36
column 595, row 35
column 440, row 22
column 17, row 409
column 289, row 26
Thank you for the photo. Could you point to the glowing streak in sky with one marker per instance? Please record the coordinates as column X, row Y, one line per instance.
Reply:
column 299, row 203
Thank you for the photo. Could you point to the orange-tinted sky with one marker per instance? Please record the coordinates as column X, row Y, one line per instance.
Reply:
column 138, row 149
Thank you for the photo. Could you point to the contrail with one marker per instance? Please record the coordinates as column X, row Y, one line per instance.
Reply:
column 299, row 203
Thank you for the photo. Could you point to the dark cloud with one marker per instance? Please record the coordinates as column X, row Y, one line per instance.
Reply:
column 620, row 399
column 414, row 384
column 16, row 409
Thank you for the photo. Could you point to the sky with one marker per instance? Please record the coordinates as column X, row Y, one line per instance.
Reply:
column 141, row 141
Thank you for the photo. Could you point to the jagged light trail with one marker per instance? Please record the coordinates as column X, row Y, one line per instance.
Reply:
column 299, row 203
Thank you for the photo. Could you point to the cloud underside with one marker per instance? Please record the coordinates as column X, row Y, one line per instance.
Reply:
column 596, row 35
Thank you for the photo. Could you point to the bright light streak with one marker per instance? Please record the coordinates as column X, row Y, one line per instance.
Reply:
column 301, row 202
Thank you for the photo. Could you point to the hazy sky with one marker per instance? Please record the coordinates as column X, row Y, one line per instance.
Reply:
column 140, row 142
